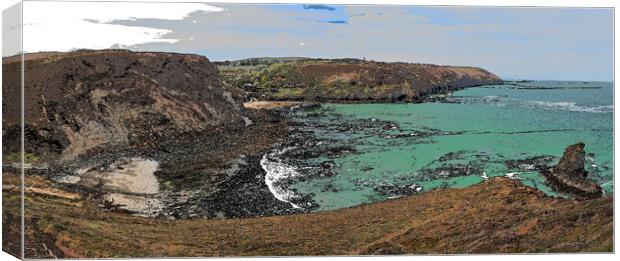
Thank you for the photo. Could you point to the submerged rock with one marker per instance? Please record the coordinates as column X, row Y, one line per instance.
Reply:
column 531, row 163
column 397, row 191
column 570, row 175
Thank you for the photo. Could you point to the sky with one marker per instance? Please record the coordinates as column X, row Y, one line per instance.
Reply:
column 514, row 43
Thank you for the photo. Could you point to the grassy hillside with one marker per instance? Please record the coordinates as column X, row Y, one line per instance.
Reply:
column 347, row 79
column 500, row 215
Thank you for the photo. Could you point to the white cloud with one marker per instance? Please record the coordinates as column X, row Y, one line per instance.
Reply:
column 63, row 26
column 302, row 44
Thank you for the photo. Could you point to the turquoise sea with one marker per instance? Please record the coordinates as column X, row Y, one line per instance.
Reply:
column 456, row 141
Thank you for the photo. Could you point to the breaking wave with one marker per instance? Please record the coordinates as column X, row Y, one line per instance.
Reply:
column 277, row 173
column 572, row 106
column 565, row 106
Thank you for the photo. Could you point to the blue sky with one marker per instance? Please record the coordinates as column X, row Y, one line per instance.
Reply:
column 523, row 43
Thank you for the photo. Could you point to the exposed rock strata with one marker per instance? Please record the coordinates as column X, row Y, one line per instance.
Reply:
column 86, row 100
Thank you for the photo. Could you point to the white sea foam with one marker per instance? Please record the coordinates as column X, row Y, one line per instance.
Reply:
column 571, row 106
column 276, row 173
column 562, row 105
column 512, row 175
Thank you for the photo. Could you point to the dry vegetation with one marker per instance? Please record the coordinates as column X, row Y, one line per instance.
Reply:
column 500, row 215
column 348, row 79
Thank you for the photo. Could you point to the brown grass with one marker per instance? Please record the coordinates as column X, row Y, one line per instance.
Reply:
column 499, row 215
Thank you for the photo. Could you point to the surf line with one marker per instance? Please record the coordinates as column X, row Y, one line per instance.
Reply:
column 276, row 172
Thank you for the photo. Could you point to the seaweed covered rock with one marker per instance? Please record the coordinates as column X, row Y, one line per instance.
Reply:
column 570, row 175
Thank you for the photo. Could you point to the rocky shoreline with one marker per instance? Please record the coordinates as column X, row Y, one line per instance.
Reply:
column 235, row 184
column 119, row 143
column 166, row 154
column 205, row 152
column 212, row 174
column 222, row 178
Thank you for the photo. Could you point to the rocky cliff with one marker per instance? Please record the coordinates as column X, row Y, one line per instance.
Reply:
column 87, row 100
column 348, row 79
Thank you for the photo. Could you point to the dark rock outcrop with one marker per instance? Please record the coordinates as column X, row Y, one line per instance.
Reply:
column 82, row 101
column 572, row 161
column 570, row 175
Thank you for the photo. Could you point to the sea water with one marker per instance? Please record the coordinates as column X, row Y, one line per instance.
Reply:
column 461, row 140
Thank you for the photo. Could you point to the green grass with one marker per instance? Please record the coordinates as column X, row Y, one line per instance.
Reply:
column 15, row 157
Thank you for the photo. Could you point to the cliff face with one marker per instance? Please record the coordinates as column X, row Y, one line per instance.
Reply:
column 350, row 80
column 79, row 101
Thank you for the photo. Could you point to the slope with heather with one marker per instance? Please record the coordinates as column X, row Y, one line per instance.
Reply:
column 348, row 79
